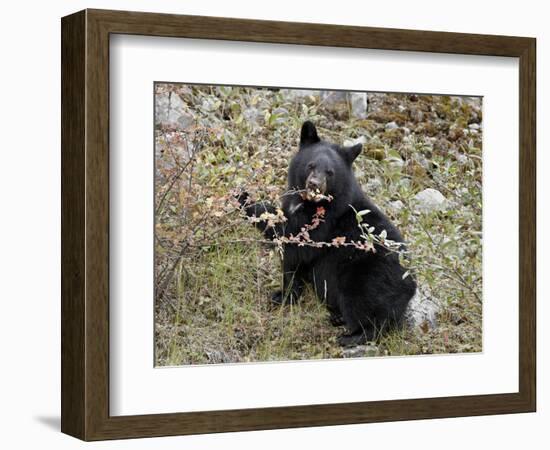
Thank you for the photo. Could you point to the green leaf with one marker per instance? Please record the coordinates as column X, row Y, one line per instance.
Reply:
column 359, row 215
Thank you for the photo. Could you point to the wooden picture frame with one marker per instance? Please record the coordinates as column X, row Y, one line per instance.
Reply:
column 85, row 224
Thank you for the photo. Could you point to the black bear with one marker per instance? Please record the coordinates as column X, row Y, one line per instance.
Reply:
column 365, row 288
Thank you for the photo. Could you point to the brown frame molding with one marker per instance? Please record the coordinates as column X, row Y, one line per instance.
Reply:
column 85, row 224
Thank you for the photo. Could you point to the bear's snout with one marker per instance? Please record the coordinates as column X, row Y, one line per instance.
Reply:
column 316, row 187
column 316, row 183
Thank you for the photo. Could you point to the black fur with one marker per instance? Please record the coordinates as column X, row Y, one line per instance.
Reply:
column 365, row 291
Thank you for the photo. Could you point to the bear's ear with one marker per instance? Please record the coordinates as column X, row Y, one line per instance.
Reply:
column 350, row 153
column 308, row 135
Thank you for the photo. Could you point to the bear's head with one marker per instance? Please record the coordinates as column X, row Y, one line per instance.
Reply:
column 321, row 170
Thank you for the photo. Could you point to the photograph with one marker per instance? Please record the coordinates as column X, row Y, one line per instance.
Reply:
column 305, row 224
column 286, row 222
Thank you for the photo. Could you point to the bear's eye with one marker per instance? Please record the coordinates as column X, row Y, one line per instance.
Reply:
column 330, row 172
column 310, row 166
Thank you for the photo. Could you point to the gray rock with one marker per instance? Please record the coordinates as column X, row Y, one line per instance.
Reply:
column 391, row 126
column 298, row 94
column 405, row 183
column 430, row 200
column 373, row 186
column 334, row 97
column 351, row 142
column 395, row 162
column 422, row 310
column 360, row 351
column 474, row 126
column 170, row 111
column 472, row 101
column 176, row 102
column 162, row 105
column 209, row 104
column 358, row 102
column 185, row 121
column 397, row 205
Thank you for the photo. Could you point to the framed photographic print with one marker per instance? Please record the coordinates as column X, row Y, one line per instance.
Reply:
column 270, row 224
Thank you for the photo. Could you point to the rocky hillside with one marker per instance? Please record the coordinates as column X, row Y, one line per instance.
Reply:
column 422, row 164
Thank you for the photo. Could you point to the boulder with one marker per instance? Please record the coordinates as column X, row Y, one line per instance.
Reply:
column 298, row 94
column 373, row 186
column 422, row 310
column 430, row 200
column 351, row 142
column 334, row 97
column 170, row 111
column 396, row 205
column 358, row 101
